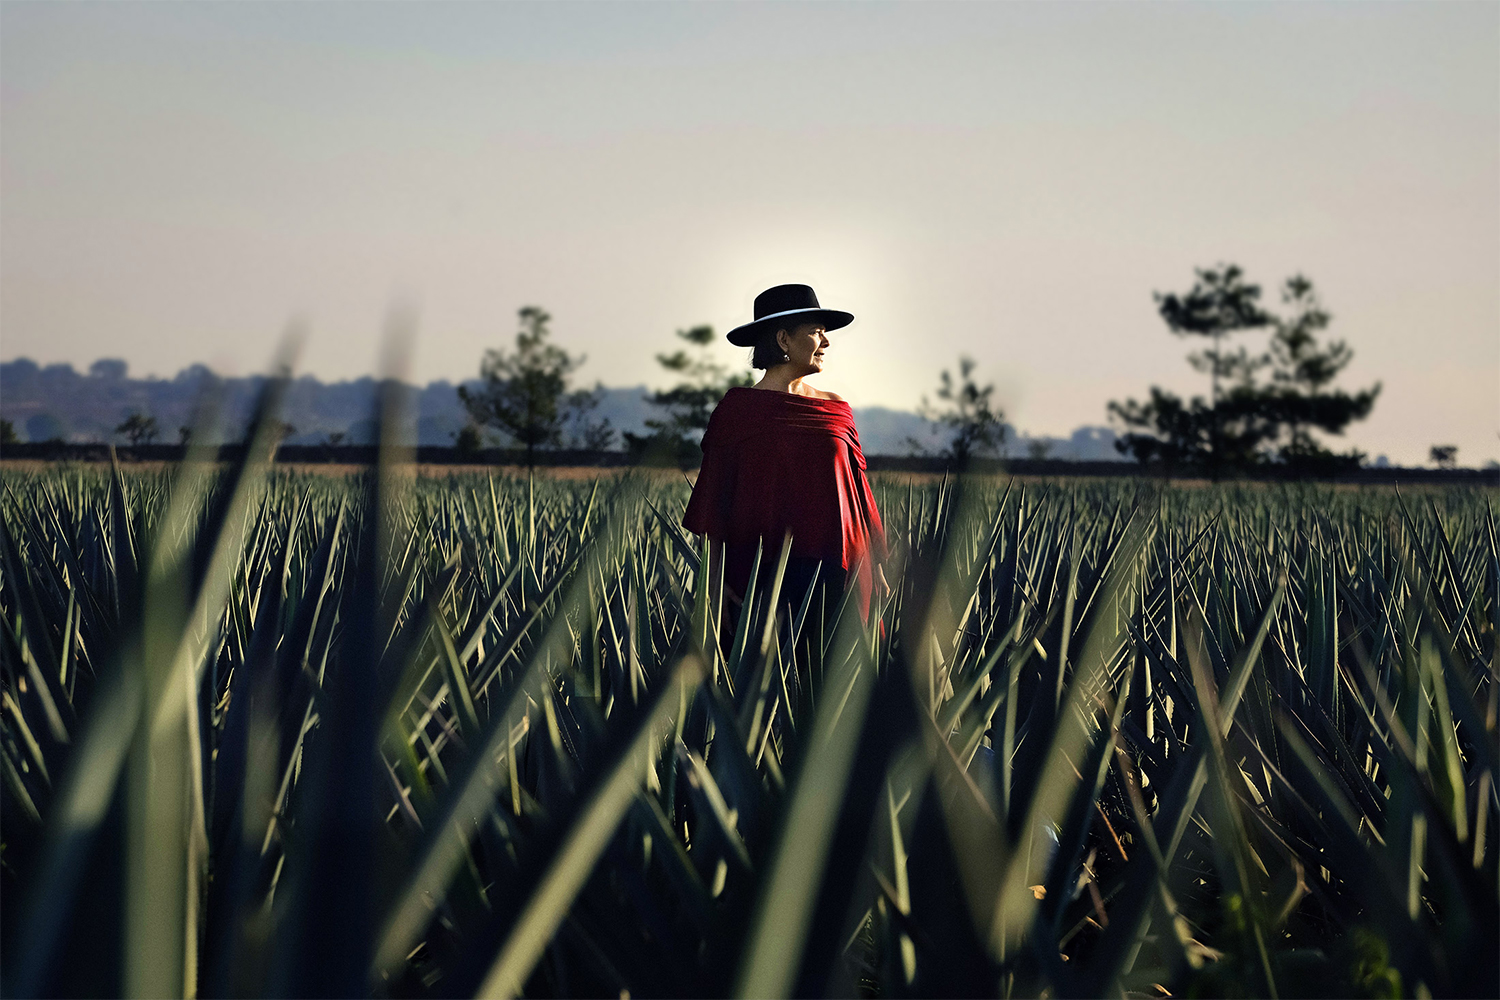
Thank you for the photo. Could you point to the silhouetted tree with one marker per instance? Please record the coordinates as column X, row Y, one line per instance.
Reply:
column 584, row 432
column 1444, row 456
column 524, row 394
column 1302, row 367
column 1247, row 421
column 977, row 427
column 1219, row 303
column 468, row 441
column 8, row 433
column 138, row 428
column 686, row 407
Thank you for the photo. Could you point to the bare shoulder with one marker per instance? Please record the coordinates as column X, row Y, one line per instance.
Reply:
column 830, row 395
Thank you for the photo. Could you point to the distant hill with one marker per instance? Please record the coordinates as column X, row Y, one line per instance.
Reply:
column 59, row 402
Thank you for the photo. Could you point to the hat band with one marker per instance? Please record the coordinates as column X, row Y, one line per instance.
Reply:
column 791, row 312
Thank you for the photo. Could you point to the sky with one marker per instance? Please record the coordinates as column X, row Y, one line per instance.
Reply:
column 1010, row 181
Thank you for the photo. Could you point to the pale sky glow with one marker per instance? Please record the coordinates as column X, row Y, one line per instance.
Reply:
column 1007, row 180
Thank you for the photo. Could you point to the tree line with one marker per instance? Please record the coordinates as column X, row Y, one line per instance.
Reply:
column 1265, row 407
column 1268, row 406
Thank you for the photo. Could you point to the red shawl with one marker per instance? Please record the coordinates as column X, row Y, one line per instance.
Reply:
column 774, row 461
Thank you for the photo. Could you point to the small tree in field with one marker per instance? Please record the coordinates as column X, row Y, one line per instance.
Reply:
column 686, row 407
column 1444, row 456
column 583, row 432
column 964, row 407
column 138, row 429
column 524, row 391
column 468, row 440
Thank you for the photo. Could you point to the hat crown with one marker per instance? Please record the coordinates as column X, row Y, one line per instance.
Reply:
column 785, row 298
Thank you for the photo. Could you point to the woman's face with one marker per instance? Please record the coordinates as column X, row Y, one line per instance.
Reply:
column 804, row 347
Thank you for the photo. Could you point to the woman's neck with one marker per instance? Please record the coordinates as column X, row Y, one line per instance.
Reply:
column 783, row 380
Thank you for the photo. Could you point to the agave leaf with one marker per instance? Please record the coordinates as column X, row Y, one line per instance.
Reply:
column 702, row 780
column 680, row 543
column 773, row 949
column 458, row 677
column 1232, row 847
column 474, row 789
column 167, row 842
column 583, row 843
column 680, row 870
column 35, row 643
column 1130, row 920
column 757, row 686
column 734, row 665
column 81, row 803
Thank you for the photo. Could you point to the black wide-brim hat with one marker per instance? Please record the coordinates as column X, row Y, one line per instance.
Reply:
column 785, row 306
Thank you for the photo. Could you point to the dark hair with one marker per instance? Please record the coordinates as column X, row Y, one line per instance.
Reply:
column 767, row 353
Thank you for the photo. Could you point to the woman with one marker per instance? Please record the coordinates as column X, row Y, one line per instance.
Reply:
column 781, row 456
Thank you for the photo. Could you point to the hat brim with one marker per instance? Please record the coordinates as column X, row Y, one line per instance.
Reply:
column 747, row 335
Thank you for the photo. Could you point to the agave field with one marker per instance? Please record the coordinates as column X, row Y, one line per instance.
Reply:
column 275, row 734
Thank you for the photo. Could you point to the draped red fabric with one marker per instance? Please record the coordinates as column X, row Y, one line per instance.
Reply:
column 774, row 461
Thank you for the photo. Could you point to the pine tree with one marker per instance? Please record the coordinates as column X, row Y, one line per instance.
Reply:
column 1248, row 421
column 525, row 392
